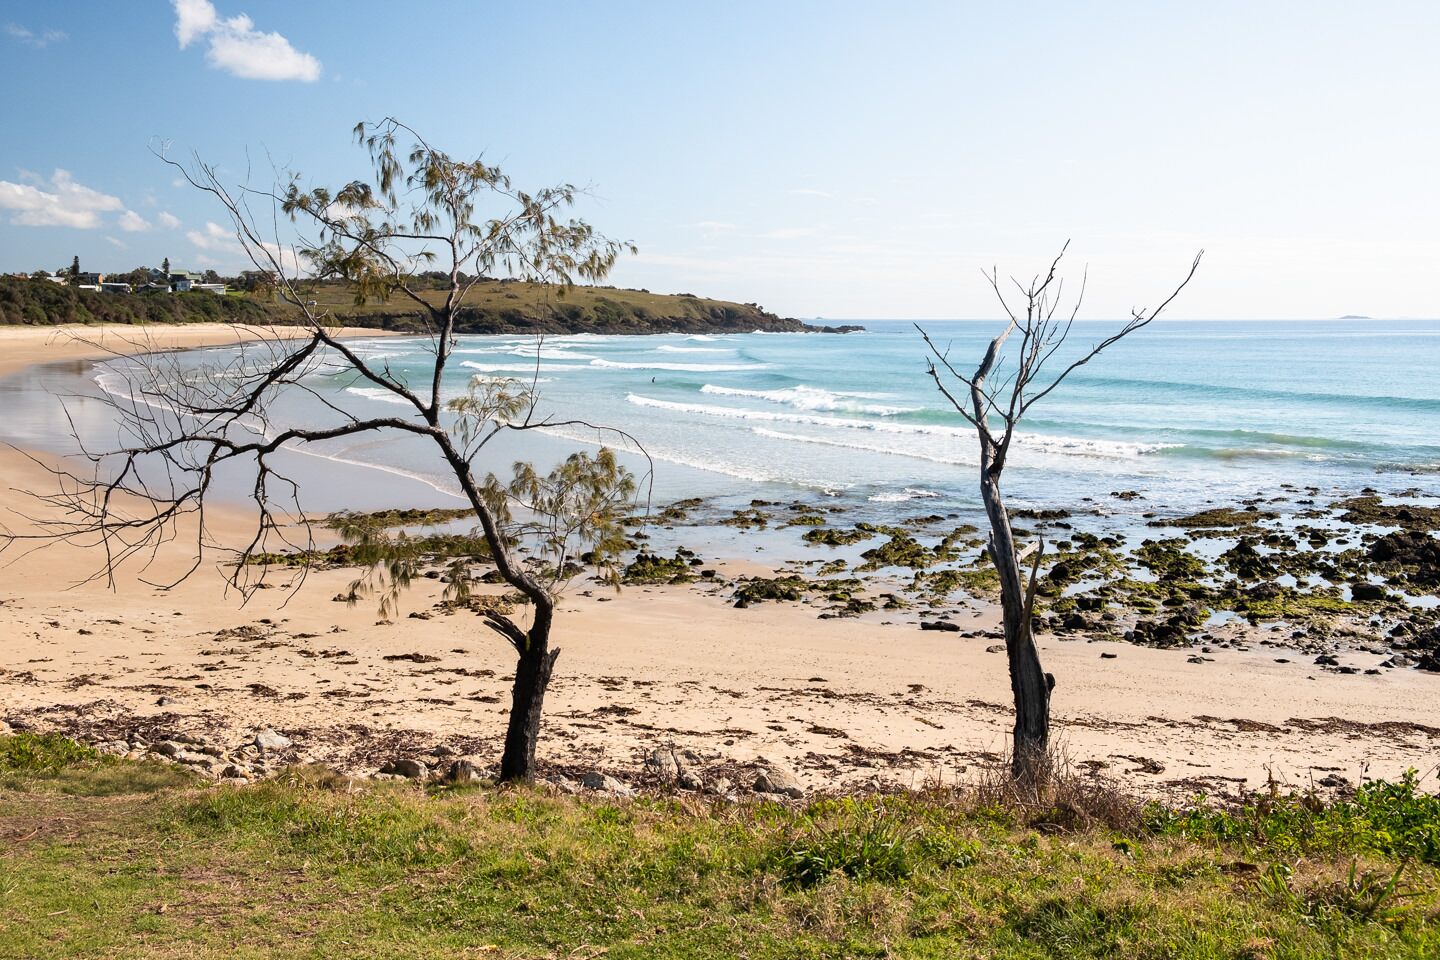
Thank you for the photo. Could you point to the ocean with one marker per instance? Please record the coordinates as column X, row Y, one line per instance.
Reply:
column 1185, row 413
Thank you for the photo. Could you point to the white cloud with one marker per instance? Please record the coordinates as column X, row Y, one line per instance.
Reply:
column 223, row 242
column 132, row 222
column 65, row 204
column 193, row 18
column 236, row 47
column 168, row 220
column 214, row 237
column 39, row 40
column 115, row 243
column 811, row 192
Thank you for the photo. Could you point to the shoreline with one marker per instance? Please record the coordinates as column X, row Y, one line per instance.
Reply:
column 847, row 703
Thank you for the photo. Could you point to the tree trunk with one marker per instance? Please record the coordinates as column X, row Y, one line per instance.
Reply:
column 532, row 678
column 1029, row 683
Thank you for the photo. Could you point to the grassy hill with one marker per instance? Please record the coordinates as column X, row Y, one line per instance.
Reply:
column 102, row 857
column 494, row 306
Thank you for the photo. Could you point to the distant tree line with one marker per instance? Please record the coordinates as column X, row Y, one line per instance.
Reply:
column 38, row 301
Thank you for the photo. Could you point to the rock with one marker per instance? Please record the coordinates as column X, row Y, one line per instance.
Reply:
column 665, row 763
column 232, row 772
column 944, row 625
column 269, row 741
column 689, row 781
column 562, row 783
column 407, row 767
column 1368, row 591
column 462, row 771
column 720, row 786
column 1108, row 656
column 995, row 648
column 595, row 780
column 772, row 778
column 5, row 730
column 1407, row 547
column 167, row 748
column 114, row 748
column 1075, row 621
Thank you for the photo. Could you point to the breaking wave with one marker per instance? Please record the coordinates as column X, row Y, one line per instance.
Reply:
column 814, row 398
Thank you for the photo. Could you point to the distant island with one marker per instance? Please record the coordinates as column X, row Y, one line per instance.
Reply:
column 1355, row 316
column 493, row 307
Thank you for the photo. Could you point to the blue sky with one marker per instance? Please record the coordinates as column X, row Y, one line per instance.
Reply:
column 824, row 159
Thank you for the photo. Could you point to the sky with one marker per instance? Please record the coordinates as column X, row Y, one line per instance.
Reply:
column 825, row 159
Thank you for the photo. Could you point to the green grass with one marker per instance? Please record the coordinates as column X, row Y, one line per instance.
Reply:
column 313, row 866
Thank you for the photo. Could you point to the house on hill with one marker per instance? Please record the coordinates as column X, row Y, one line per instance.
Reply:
column 182, row 281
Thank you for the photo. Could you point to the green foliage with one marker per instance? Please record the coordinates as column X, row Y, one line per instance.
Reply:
column 1394, row 819
column 42, row 302
column 576, row 509
column 420, row 191
column 52, row 764
column 310, row 864
column 42, row 753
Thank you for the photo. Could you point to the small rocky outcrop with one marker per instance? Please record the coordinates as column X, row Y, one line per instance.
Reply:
column 773, row 778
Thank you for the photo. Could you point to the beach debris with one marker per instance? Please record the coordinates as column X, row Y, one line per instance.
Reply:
column 943, row 625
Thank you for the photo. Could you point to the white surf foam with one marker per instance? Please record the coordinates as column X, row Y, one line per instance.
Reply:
column 379, row 393
column 684, row 367
column 902, row 496
column 813, row 398
column 1074, row 446
column 523, row 367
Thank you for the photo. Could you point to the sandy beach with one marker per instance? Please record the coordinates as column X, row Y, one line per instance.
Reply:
column 843, row 703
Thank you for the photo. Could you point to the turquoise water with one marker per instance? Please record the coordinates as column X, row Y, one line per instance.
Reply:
column 1186, row 413
column 1183, row 412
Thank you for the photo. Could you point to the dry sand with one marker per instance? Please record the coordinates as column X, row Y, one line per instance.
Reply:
column 843, row 702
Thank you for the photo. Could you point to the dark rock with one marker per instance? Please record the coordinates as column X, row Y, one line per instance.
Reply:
column 1368, row 591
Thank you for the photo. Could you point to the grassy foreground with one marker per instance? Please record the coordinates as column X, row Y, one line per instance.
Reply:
column 106, row 858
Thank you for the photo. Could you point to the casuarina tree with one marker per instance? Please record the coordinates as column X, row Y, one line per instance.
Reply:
column 420, row 209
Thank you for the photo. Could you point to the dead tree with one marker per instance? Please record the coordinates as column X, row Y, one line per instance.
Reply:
column 994, row 405
column 182, row 426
